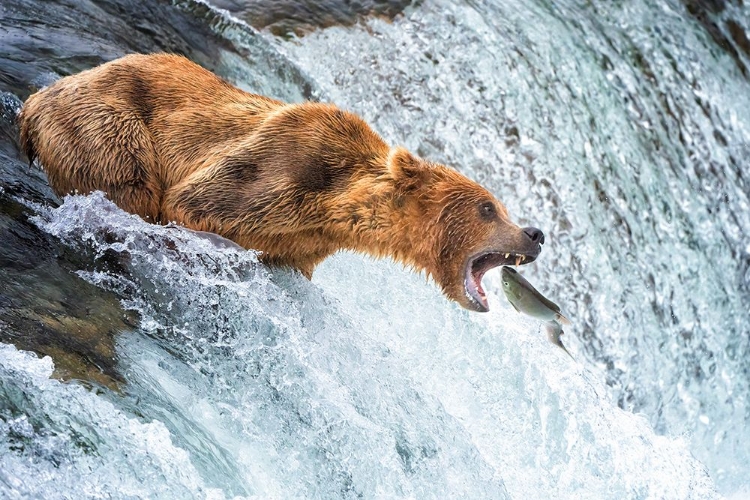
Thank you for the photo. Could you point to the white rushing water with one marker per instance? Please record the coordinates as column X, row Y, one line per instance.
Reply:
column 274, row 387
column 623, row 132
column 366, row 383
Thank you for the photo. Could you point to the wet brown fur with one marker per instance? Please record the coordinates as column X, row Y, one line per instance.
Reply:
column 170, row 141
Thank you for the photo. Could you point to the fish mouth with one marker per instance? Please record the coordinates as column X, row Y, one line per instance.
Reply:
column 480, row 264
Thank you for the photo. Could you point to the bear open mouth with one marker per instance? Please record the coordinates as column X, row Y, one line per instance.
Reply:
column 480, row 264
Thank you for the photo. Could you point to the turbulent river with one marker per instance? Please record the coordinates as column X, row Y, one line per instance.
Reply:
column 142, row 361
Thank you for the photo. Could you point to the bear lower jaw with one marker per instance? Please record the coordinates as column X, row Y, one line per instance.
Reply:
column 478, row 265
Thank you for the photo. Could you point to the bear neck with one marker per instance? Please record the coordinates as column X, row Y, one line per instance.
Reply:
column 392, row 224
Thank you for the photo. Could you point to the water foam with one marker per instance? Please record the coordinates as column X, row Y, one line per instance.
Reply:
column 295, row 389
column 619, row 129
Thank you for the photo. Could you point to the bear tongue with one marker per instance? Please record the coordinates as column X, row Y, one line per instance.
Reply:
column 475, row 292
column 474, row 275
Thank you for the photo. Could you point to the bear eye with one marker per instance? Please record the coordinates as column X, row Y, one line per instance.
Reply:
column 487, row 210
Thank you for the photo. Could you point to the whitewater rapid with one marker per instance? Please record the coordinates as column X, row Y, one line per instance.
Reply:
column 623, row 132
column 618, row 129
column 264, row 385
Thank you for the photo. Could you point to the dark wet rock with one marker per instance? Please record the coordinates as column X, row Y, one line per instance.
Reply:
column 739, row 36
column 42, row 41
column 709, row 13
column 44, row 306
column 705, row 6
column 297, row 17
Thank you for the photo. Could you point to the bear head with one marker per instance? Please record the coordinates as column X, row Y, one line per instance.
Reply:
column 461, row 229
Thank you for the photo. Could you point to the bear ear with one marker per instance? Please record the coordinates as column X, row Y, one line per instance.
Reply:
column 406, row 169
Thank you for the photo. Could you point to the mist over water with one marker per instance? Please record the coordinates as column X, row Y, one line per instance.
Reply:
column 621, row 130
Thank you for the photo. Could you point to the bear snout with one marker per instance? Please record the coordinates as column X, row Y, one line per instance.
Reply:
column 535, row 235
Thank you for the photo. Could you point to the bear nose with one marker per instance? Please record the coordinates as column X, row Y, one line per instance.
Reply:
column 534, row 234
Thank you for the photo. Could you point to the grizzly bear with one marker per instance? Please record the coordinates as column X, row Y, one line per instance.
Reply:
column 172, row 142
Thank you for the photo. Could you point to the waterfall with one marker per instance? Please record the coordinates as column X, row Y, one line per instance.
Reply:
column 620, row 129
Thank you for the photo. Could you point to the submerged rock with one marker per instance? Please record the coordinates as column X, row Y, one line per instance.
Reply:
column 298, row 17
column 44, row 306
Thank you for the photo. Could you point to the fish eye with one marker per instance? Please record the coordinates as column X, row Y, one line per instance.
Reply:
column 506, row 284
column 487, row 211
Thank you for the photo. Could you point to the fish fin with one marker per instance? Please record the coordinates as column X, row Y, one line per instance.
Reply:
column 567, row 352
column 554, row 332
column 562, row 319
column 514, row 307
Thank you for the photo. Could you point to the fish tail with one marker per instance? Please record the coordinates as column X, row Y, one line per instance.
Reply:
column 566, row 351
column 554, row 332
column 562, row 319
